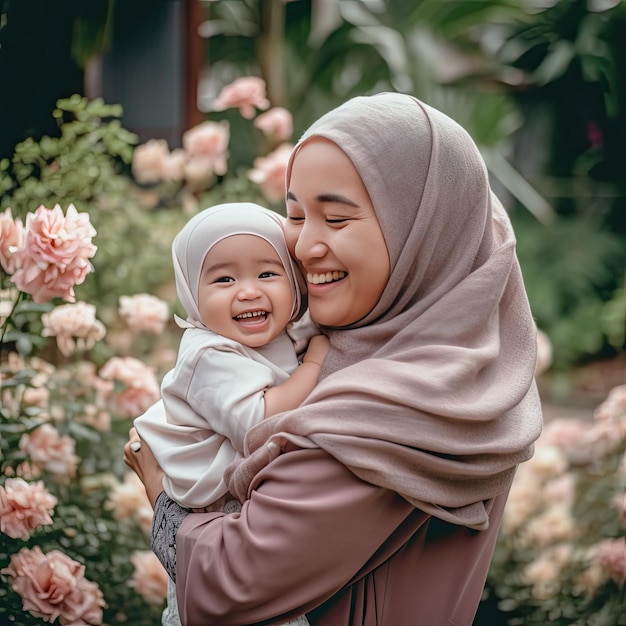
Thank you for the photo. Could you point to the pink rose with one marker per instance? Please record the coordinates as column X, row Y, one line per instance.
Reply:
column 144, row 312
column 173, row 166
column 140, row 389
column 560, row 490
column 565, row 433
column 611, row 556
column 147, row 161
column 153, row 162
column 11, row 242
column 269, row 172
column 149, row 578
column 206, row 146
column 245, row 94
column 619, row 502
column 50, row 451
column 36, row 396
column 277, row 123
column 128, row 497
column 56, row 252
column 28, row 471
column 52, row 586
column 24, row 507
column 544, row 572
column 544, row 353
column 74, row 325
column 614, row 406
column 7, row 301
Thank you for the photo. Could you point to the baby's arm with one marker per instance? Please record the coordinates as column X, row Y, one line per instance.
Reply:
column 292, row 392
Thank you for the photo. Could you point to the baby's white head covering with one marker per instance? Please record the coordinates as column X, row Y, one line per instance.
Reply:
column 210, row 226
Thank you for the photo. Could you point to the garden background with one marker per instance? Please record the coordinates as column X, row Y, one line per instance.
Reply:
column 121, row 120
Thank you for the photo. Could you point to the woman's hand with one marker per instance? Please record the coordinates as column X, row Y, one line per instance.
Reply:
column 139, row 457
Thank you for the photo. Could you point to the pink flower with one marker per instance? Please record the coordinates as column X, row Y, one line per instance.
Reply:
column 27, row 471
column 277, row 123
column 269, row 172
column 50, row 451
column 173, row 166
column 244, row 93
column 53, row 586
column 554, row 525
column 544, row 353
column 11, row 242
column 7, row 300
column 560, row 490
column 56, row 252
column 611, row 556
column 564, row 433
column 36, row 396
column 147, row 161
column 153, row 162
column 543, row 573
column 140, row 389
column 74, row 325
column 548, row 461
column 149, row 578
column 619, row 502
column 24, row 507
column 144, row 312
column 128, row 497
column 207, row 149
column 614, row 406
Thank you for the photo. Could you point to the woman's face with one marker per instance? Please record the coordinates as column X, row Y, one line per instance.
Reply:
column 333, row 231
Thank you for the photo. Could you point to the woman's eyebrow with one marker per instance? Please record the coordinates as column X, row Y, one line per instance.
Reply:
column 332, row 198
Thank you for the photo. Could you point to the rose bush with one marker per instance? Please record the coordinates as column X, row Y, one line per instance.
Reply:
column 64, row 546
column 561, row 553
column 86, row 335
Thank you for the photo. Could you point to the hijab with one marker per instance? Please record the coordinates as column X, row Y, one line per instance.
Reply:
column 211, row 226
column 431, row 394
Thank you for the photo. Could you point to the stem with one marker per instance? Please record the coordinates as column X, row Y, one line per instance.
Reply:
column 270, row 49
column 9, row 318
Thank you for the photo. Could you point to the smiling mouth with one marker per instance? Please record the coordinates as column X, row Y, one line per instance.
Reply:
column 327, row 277
column 250, row 315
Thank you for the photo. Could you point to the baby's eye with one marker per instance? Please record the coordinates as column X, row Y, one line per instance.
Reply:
column 267, row 274
column 223, row 279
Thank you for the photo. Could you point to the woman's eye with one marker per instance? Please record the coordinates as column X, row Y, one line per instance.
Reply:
column 295, row 218
column 336, row 220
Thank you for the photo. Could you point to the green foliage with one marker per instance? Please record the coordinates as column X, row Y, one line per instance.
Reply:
column 570, row 268
column 87, row 165
column 81, row 166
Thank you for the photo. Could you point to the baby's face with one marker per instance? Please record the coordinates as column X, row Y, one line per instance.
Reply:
column 244, row 292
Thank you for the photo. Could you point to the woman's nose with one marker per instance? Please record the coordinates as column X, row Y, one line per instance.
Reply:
column 310, row 244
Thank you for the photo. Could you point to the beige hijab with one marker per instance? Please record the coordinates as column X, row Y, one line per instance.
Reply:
column 432, row 394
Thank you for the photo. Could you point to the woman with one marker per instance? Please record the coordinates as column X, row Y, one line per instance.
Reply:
column 378, row 500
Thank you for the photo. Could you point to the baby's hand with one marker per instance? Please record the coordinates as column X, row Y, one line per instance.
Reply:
column 317, row 350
